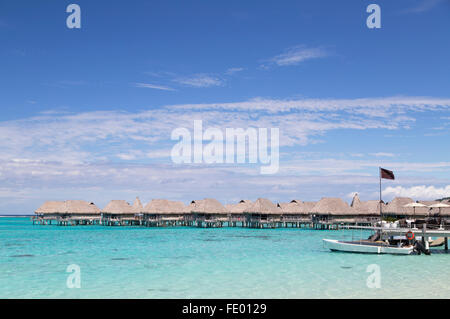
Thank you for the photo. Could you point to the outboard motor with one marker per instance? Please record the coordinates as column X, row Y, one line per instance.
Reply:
column 420, row 248
column 374, row 237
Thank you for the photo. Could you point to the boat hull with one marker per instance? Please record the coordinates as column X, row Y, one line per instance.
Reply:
column 356, row 247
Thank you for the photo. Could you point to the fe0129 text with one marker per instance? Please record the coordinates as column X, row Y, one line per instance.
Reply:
column 236, row 308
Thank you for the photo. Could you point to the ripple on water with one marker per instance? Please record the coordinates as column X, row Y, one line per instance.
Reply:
column 175, row 263
column 13, row 244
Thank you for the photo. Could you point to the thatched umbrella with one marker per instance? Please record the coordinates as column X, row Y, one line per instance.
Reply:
column 439, row 205
column 414, row 205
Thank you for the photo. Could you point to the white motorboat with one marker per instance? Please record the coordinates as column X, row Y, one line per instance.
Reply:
column 367, row 247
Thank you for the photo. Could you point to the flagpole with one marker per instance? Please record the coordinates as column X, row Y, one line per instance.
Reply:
column 381, row 212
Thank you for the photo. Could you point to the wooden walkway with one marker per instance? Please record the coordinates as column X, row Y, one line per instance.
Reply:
column 192, row 220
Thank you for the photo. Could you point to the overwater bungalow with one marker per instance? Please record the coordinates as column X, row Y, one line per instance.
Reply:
column 82, row 212
column 296, row 213
column 138, row 208
column 396, row 208
column 237, row 216
column 208, row 212
column 69, row 212
column 50, row 210
column 263, row 213
column 366, row 212
column 119, row 212
column 163, row 212
column 332, row 212
column 328, row 213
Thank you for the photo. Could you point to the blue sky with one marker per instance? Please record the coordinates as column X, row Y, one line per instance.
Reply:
column 87, row 113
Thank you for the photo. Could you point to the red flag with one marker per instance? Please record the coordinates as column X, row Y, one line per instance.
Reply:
column 386, row 174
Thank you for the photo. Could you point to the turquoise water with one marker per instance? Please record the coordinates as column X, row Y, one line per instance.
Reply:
column 137, row 262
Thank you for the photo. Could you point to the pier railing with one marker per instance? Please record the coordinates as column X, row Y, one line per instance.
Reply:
column 250, row 220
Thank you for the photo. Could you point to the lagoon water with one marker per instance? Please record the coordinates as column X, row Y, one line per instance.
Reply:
column 139, row 262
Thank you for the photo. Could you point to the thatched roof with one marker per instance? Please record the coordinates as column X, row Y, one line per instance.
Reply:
column 81, row 207
column 137, row 206
column 396, row 206
column 332, row 206
column 370, row 207
column 207, row 206
column 289, row 208
column 263, row 206
column 296, row 207
column 118, row 207
column 68, row 207
column 308, row 206
column 239, row 207
column 444, row 211
column 52, row 207
column 356, row 202
column 164, row 206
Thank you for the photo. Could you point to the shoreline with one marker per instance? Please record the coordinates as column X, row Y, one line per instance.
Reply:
column 17, row 216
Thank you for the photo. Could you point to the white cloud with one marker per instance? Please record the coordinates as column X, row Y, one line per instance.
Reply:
column 126, row 157
column 424, row 5
column 296, row 55
column 200, row 81
column 162, row 153
column 382, row 154
column 371, row 107
column 232, row 71
column 153, row 86
column 351, row 195
column 91, row 136
column 118, row 151
column 32, row 181
column 333, row 166
column 418, row 192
